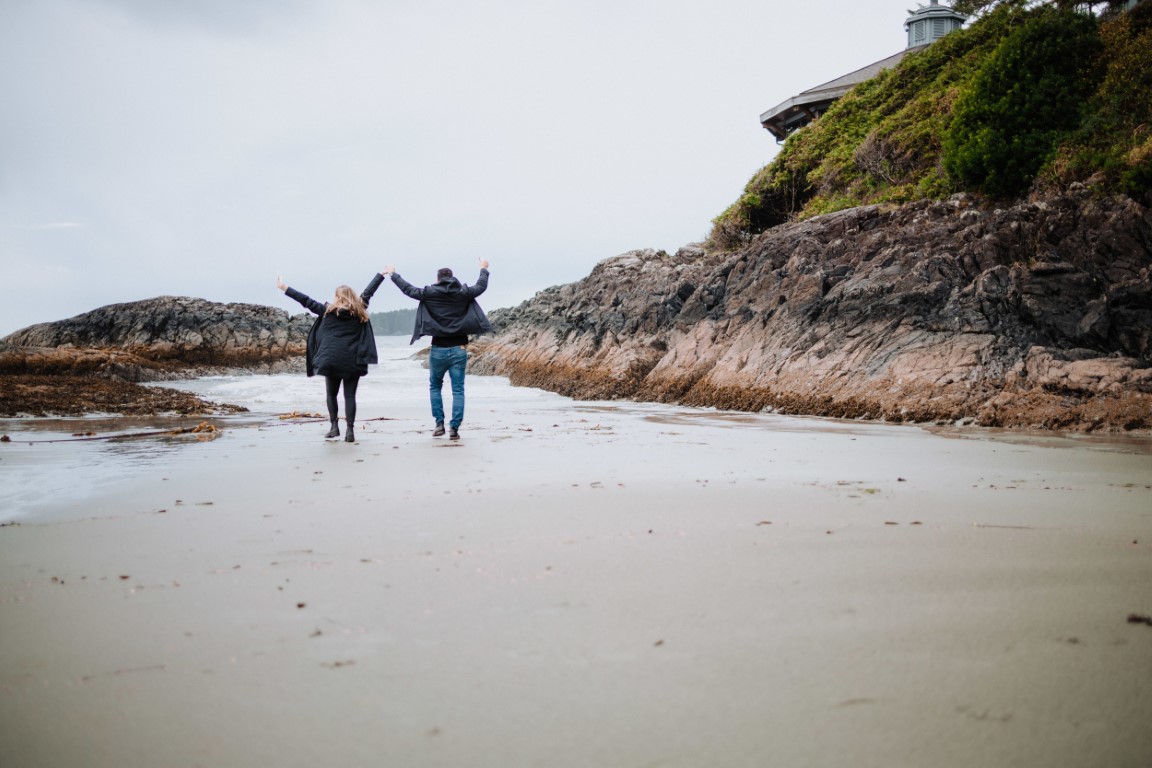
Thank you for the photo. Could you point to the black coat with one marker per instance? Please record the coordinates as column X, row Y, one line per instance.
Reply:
column 447, row 308
column 338, row 343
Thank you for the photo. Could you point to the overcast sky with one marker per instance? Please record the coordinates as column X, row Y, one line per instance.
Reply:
column 201, row 147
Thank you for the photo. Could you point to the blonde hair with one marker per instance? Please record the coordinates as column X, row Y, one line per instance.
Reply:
column 346, row 298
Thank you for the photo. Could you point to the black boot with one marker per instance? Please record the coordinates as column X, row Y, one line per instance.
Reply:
column 350, row 434
column 335, row 431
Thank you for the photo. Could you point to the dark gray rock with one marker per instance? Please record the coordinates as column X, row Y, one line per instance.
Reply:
column 1039, row 314
column 162, row 337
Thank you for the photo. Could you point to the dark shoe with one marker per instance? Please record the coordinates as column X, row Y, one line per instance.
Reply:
column 439, row 431
column 350, row 435
column 334, row 432
column 453, row 434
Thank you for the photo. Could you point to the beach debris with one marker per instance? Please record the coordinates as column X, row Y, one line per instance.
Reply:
column 1139, row 618
column 316, row 633
column 658, row 643
column 764, row 522
column 891, row 522
column 204, row 427
column 984, row 715
column 301, row 605
column 337, row 664
column 855, row 702
column 83, row 434
column 299, row 415
column 5, row 439
column 125, row 671
column 124, row 577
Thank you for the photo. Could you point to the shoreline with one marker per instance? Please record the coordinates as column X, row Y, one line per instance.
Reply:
column 582, row 584
column 55, row 396
column 1059, row 411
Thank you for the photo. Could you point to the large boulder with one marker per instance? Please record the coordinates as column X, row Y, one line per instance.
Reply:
column 162, row 337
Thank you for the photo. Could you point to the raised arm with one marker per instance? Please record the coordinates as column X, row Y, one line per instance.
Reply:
column 315, row 307
column 373, row 284
column 481, row 282
column 405, row 287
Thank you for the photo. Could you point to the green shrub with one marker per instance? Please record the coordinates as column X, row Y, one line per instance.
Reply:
column 1114, row 142
column 1029, row 95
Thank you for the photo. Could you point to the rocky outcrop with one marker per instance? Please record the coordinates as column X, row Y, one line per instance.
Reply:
column 92, row 362
column 161, row 338
column 1038, row 314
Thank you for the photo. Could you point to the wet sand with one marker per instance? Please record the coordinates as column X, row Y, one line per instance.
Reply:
column 584, row 585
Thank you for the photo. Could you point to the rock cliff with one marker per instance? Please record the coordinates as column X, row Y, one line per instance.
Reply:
column 161, row 338
column 1035, row 315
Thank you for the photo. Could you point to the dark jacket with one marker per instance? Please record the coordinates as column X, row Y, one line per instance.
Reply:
column 338, row 343
column 447, row 308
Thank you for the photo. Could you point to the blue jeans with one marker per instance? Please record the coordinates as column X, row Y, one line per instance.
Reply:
column 450, row 360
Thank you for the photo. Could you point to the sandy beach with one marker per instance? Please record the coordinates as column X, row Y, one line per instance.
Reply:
column 577, row 584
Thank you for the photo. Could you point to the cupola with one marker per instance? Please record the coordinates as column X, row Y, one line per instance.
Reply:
column 929, row 23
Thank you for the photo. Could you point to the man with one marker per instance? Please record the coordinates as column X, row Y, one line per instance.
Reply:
column 448, row 312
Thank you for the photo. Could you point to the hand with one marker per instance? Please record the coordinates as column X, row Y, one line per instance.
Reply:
column 483, row 263
column 388, row 270
column 280, row 283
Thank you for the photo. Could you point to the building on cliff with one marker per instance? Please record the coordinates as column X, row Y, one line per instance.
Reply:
column 925, row 25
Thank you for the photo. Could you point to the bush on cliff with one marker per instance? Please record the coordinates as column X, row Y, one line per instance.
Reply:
column 885, row 141
column 1115, row 139
column 1029, row 95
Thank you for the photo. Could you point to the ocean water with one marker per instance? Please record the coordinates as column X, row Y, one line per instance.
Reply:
column 399, row 383
column 54, row 462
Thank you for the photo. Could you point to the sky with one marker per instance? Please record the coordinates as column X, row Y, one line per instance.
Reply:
column 204, row 147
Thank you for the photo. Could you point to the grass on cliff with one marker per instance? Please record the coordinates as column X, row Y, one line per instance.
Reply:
column 1024, row 99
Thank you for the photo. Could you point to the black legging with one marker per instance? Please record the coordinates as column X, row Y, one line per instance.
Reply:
column 332, row 384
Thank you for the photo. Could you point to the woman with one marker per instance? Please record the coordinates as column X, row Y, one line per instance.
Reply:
column 341, row 345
